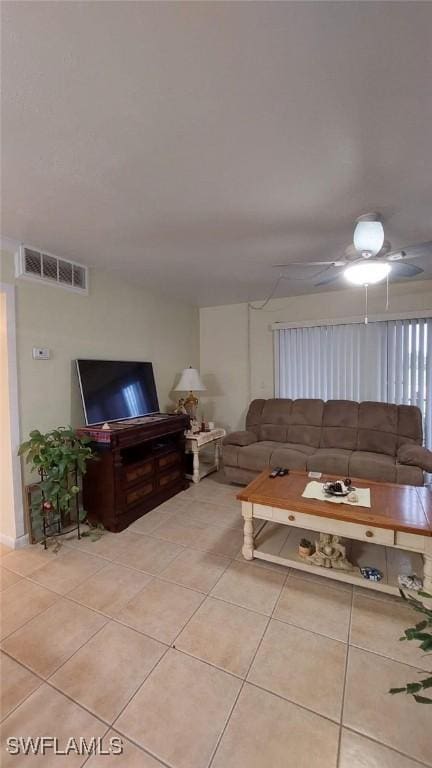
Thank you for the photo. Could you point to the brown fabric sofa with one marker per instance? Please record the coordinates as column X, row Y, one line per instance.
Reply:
column 377, row 441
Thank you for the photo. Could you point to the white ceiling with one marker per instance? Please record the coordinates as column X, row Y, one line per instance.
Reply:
column 193, row 145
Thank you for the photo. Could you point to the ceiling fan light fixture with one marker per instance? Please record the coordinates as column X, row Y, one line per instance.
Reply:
column 369, row 237
column 367, row 272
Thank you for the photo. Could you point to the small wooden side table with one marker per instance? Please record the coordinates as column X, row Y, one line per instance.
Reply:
column 195, row 443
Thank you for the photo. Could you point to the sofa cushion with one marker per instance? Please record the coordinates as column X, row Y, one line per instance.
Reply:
column 415, row 455
column 288, row 458
column 305, row 422
column 240, row 438
column 408, row 475
column 274, row 432
column 230, row 455
column 256, row 456
column 277, row 410
column 335, row 461
column 410, row 427
column 373, row 466
column 378, row 424
column 307, row 449
column 275, row 417
column 253, row 416
column 340, row 424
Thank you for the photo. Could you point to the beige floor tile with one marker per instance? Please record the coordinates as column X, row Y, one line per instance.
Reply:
column 105, row 673
column 16, row 684
column 213, row 513
column 271, row 537
column 396, row 721
column 27, row 560
column 48, row 713
column 105, row 545
column 68, row 570
column 21, row 602
column 306, row 668
column 195, row 569
column 223, row 634
column 146, row 553
column 315, row 606
column 358, row 752
column 250, row 587
column 180, row 711
column 265, row 731
column 130, row 757
column 189, row 532
column 161, row 610
column 7, row 578
column 377, row 626
column 4, row 550
column 323, row 580
column 153, row 519
column 48, row 640
column 110, row 589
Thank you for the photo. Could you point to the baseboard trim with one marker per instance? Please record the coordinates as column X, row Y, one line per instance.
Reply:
column 18, row 543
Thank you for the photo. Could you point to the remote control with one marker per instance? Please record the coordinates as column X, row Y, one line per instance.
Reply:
column 275, row 472
column 283, row 472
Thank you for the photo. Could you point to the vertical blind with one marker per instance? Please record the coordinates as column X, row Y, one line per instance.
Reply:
column 386, row 361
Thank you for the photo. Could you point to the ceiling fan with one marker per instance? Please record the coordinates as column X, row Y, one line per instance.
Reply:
column 370, row 259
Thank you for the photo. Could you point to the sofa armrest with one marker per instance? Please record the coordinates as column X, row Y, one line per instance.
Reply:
column 415, row 455
column 240, row 438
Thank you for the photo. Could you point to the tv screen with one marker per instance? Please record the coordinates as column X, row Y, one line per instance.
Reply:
column 114, row 390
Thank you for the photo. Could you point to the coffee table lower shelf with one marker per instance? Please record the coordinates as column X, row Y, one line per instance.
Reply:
column 278, row 544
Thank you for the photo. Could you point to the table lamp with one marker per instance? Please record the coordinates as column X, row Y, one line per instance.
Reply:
column 190, row 380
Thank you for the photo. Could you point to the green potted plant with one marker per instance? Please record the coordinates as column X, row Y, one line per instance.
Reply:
column 305, row 548
column 59, row 457
column 422, row 632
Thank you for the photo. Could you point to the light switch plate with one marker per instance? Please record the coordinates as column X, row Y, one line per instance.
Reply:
column 41, row 353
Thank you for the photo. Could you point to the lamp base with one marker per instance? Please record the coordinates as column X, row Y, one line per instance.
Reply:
column 191, row 405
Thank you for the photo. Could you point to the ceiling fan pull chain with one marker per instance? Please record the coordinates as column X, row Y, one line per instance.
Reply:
column 387, row 293
column 366, row 303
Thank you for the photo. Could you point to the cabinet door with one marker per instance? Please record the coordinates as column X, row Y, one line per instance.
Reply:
column 168, row 460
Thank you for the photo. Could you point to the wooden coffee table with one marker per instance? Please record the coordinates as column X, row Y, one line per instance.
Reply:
column 393, row 535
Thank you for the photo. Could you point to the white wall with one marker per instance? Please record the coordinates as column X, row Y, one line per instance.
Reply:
column 7, row 522
column 240, row 364
column 117, row 320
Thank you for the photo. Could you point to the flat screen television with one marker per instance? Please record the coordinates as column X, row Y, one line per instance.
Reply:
column 114, row 390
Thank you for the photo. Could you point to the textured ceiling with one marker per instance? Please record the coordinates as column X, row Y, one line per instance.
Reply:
column 191, row 146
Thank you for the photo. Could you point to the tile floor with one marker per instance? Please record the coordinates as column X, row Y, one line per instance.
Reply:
column 165, row 637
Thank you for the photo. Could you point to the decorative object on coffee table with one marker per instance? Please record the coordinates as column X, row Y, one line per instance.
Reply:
column 195, row 443
column 190, row 381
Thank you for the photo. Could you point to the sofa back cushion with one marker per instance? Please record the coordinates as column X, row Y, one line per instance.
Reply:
column 378, row 426
column 305, row 422
column 410, row 427
column 340, row 424
column 275, row 418
column 253, row 416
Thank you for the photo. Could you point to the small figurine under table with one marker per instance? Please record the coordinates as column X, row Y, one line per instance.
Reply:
column 330, row 553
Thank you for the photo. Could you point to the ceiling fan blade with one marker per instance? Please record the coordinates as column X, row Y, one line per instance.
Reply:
column 402, row 269
column 416, row 251
column 327, row 280
column 305, row 264
column 335, row 263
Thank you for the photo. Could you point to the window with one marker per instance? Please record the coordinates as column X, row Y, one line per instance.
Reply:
column 388, row 361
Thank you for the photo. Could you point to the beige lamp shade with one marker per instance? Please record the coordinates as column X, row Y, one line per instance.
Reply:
column 190, row 380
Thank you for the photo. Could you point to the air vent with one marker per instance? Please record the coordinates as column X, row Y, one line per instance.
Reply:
column 36, row 265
